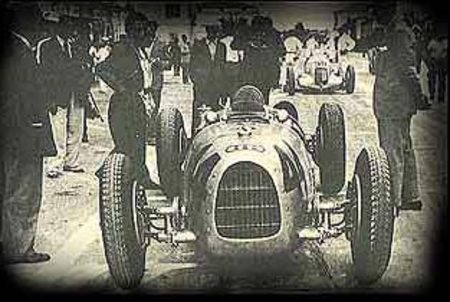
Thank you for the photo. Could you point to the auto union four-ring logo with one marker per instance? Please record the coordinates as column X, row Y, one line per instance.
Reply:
column 243, row 147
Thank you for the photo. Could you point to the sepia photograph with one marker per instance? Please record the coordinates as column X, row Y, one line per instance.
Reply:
column 223, row 147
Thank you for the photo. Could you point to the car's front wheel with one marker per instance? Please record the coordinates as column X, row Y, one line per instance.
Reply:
column 121, row 222
column 372, row 215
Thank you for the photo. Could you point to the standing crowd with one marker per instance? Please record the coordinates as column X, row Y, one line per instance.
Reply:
column 53, row 66
column 49, row 64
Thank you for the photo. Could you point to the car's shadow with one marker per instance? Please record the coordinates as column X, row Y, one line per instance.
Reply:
column 303, row 270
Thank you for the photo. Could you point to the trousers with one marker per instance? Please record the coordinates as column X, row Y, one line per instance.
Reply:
column 68, row 139
column 395, row 139
column 186, row 72
column 74, row 130
column 21, row 194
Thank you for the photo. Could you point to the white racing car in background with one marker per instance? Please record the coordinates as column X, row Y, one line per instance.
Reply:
column 315, row 70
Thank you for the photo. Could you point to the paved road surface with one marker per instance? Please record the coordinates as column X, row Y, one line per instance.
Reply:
column 69, row 221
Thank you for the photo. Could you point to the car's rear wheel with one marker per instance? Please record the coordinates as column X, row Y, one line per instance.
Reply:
column 330, row 148
column 290, row 80
column 350, row 79
column 372, row 215
column 170, row 146
column 121, row 222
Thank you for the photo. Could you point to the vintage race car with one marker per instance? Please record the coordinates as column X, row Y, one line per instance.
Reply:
column 251, row 185
column 318, row 71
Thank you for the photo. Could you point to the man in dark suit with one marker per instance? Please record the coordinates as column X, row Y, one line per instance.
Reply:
column 207, row 68
column 26, row 138
column 131, row 107
column 66, row 80
column 263, row 48
column 397, row 97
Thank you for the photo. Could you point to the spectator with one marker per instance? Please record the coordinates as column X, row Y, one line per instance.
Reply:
column 264, row 44
column 81, row 53
column 331, row 46
column 26, row 137
column 311, row 45
column 67, row 78
column 207, row 67
column 185, row 57
column 130, row 108
column 232, row 63
column 242, row 33
column 156, row 55
column 437, row 50
column 175, row 55
column 99, row 52
column 345, row 42
column 397, row 96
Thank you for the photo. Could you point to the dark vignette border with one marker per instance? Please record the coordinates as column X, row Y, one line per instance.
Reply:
column 439, row 266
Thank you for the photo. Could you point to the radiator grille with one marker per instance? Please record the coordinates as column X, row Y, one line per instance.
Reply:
column 247, row 203
column 321, row 76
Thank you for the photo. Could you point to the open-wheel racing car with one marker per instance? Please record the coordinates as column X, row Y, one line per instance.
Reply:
column 244, row 188
column 318, row 72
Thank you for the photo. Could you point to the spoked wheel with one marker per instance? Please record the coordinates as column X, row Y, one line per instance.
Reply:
column 171, row 142
column 122, row 221
column 372, row 215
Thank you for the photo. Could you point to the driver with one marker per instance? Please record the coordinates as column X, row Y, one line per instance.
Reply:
column 248, row 98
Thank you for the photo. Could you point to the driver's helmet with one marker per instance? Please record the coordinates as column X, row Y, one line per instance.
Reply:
column 248, row 98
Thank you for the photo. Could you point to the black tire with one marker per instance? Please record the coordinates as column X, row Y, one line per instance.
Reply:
column 124, row 250
column 350, row 79
column 170, row 145
column 330, row 148
column 372, row 216
column 290, row 80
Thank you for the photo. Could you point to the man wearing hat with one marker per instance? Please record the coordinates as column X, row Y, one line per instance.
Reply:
column 26, row 137
column 207, row 68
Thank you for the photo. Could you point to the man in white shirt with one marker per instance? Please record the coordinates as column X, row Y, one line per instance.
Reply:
column 345, row 43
